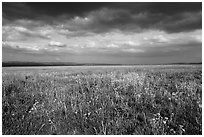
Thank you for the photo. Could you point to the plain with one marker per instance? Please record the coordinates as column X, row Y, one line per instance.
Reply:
column 114, row 100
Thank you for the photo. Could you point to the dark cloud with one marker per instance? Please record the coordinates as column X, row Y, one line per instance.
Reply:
column 172, row 8
column 186, row 21
column 32, row 10
column 19, row 9
column 118, row 31
column 16, row 10
column 171, row 17
column 105, row 20
column 72, row 8
column 126, row 21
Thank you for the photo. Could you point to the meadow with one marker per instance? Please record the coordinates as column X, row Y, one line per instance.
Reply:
column 102, row 100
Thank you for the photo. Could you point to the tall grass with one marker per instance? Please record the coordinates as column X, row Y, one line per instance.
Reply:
column 102, row 101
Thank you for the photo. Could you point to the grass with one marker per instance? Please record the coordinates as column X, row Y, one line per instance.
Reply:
column 140, row 100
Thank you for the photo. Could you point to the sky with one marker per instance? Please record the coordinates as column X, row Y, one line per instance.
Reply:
column 112, row 33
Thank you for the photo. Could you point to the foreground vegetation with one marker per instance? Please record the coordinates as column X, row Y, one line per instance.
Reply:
column 103, row 100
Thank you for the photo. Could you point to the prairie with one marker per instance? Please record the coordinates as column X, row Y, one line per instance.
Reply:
column 102, row 100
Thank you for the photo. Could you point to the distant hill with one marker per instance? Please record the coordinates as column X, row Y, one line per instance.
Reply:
column 28, row 64
column 19, row 64
column 196, row 63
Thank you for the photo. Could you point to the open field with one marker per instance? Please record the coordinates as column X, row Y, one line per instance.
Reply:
column 114, row 100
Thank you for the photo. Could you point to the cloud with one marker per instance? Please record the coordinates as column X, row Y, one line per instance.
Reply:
column 186, row 21
column 56, row 44
column 11, row 47
column 12, row 10
column 135, row 30
column 106, row 20
column 130, row 17
column 28, row 49
column 52, row 38
column 132, row 50
column 111, row 17
column 112, row 46
column 20, row 33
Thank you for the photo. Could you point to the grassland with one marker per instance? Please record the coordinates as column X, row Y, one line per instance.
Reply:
column 159, row 100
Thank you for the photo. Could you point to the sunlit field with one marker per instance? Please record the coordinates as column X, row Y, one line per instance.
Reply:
column 102, row 100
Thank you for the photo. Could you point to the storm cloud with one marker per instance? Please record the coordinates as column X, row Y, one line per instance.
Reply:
column 111, row 30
